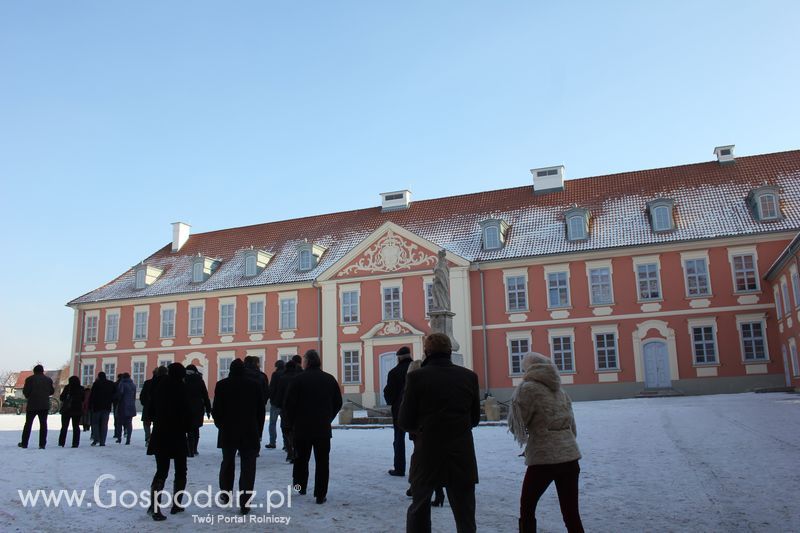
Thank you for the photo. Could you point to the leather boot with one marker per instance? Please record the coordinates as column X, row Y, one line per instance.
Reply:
column 155, row 500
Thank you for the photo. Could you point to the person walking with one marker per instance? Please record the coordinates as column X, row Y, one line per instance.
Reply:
column 125, row 395
column 37, row 389
column 393, row 394
column 100, row 405
column 114, row 406
column 274, row 410
column 199, row 405
column 237, row 411
column 441, row 406
column 312, row 401
column 146, row 399
column 71, row 411
column 86, row 417
column 291, row 371
column 252, row 371
column 541, row 419
column 171, row 420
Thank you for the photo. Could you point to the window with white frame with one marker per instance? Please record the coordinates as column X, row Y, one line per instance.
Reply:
column 516, row 293
column 558, row 289
column 765, row 203
column 787, row 306
column 491, row 238
column 138, row 376
column 605, row 347
column 428, row 297
column 778, row 308
column 392, row 303
column 288, row 308
column 198, row 271
column 223, row 366
column 226, row 317
column 697, row 283
column 768, row 206
column 112, row 327
column 517, row 349
column 167, row 323
column 87, row 374
column 793, row 351
column 90, row 335
column 141, row 278
column 110, row 369
column 350, row 310
column 286, row 354
column 600, row 286
column 704, row 345
column 796, row 288
column 196, row 315
column 306, row 260
column 753, row 343
column 256, row 319
column 662, row 221
column 351, row 366
column 165, row 361
column 648, row 282
column 140, row 325
column 563, row 354
column 744, row 273
column 576, row 228
column 250, row 266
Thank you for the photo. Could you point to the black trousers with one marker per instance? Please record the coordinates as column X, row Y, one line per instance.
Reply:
column 462, row 503
column 399, row 448
column 76, row 430
column 146, row 425
column 41, row 414
column 162, row 471
column 322, row 452
column 247, row 473
column 537, row 479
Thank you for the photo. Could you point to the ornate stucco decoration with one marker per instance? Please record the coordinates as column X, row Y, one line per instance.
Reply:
column 390, row 254
column 391, row 328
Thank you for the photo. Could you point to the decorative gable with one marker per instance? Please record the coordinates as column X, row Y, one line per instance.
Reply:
column 390, row 253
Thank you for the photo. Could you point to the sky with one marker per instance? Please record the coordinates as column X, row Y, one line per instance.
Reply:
column 119, row 118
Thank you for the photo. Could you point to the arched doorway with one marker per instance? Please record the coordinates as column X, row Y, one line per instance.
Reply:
column 656, row 365
column 386, row 361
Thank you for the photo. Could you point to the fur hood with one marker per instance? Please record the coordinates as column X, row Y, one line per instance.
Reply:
column 539, row 368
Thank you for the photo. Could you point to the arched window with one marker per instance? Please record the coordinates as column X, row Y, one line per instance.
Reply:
column 140, row 278
column 198, row 274
column 250, row 266
column 306, row 262
column 767, row 206
column 576, row 227
column 491, row 237
column 662, row 220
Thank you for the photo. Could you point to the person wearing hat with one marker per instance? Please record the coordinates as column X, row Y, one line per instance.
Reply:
column 199, row 404
column 393, row 394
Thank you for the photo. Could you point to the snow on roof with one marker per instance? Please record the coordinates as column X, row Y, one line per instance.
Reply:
column 710, row 202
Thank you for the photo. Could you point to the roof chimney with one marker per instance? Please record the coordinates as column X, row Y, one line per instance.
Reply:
column 725, row 153
column 548, row 179
column 180, row 234
column 393, row 201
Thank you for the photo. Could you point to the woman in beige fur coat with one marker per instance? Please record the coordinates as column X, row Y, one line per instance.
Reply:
column 541, row 419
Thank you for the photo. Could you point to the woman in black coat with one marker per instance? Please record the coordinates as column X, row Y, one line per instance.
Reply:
column 171, row 421
column 199, row 405
column 71, row 410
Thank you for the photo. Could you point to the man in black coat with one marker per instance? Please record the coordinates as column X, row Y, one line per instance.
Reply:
column 252, row 371
column 312, row 402
column 171, row 417
column 237, row 411
column 291, row 371
column 199, row 404
column 100, row 405
column 393, row 394
column 440, row 407
column 274, row 410
column 37, row 389
column 145, row 395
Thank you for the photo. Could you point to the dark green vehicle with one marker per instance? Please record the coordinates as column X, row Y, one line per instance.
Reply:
column 19, row 404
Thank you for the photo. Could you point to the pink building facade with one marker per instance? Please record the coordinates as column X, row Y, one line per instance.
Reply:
column 784, row 280
column 644, row 281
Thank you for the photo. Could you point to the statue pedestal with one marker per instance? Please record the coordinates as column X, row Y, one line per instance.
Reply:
column 442, row 322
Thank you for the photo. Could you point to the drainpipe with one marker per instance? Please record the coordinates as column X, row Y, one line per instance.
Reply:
column 319, row 317
column 485, row 340
column 79, row 340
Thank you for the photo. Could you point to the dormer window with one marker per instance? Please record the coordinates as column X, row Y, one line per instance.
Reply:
column 202, row 268
column 765, row 203
column 493, row 233
column 660, row 212
column 255, row 261
column 577, row 220
column 145, row 275
column 308, row 255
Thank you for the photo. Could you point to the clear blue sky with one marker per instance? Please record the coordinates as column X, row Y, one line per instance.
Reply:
column 118, row 118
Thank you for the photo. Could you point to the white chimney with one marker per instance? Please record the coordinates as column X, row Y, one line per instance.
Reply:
column 180, row 234
column 548, row 179
column 725, row 153
column 395, row 200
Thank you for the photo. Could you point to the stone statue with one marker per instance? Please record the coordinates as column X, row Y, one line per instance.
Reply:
column 441, row 284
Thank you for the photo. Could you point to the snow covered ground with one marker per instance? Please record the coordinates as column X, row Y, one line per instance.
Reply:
column 714, row 463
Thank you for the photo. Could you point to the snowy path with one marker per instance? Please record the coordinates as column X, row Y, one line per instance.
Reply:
column 715, row 463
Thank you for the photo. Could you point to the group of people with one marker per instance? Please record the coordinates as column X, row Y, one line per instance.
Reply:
column 434, row 401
